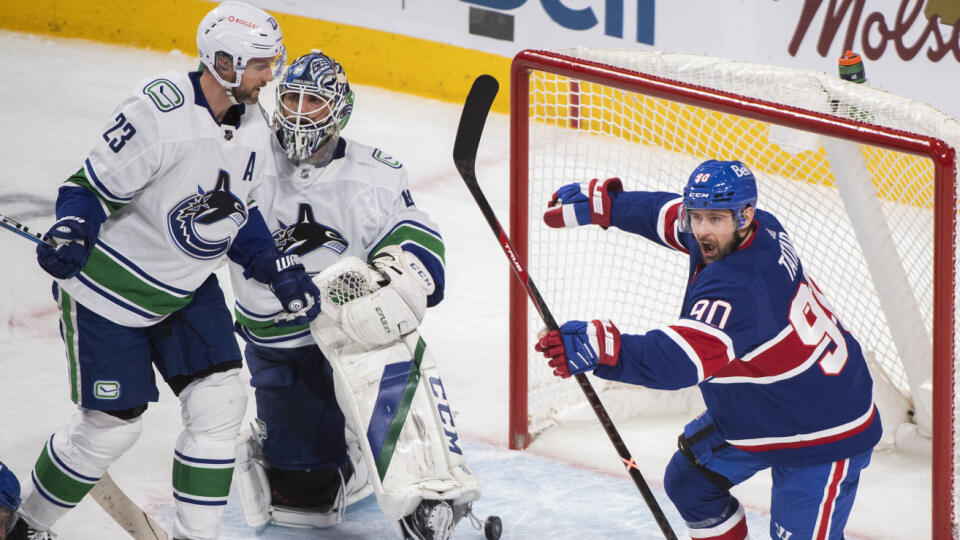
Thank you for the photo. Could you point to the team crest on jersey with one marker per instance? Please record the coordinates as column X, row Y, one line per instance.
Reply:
column 164, row 94
column 202, row 225
column 387, row 160
column 306, row 235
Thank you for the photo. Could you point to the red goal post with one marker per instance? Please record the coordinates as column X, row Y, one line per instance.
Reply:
column 883, row 245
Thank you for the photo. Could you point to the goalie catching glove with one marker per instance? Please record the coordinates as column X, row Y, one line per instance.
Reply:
column 580, row 346
column 397, row 308
column 582, row 204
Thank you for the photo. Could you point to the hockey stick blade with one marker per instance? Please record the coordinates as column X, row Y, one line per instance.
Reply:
column 472, row 119
column 22, row 230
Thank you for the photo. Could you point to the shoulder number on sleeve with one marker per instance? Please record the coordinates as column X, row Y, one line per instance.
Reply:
column 119, row 133
column 164, row 94
column 712, row 312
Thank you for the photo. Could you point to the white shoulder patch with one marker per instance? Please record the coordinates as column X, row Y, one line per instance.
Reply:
column 164, row 94
column 386, row 159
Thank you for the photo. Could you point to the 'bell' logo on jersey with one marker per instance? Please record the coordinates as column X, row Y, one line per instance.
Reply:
column 203, row 225
column 306, row 235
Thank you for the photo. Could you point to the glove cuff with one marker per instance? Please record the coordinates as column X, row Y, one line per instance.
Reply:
column 601, row 203
column 608, row 342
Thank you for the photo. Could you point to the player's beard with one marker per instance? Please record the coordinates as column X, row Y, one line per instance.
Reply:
column 247, row 96
column 725, row 249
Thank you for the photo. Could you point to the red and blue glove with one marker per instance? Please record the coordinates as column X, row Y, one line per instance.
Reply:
column 73, row 239
column 582, row 204
column 580, row 346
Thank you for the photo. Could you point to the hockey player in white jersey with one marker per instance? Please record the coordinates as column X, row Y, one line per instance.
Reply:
column 345, row 209
column 166, row 193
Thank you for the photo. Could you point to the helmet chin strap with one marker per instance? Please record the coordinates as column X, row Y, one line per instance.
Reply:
column 229, row 92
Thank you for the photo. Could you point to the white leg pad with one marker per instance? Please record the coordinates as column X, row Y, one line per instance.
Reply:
column 358, row 486
column 212, row 409
column 252, row 482
column 80, row 452
column 411, row 445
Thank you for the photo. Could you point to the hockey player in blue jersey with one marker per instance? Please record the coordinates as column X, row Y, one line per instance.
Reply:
column 786, row 386
column 166, row 194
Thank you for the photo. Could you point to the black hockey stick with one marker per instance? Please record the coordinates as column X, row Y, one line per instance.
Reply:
column 472, row 119
column 22, row 230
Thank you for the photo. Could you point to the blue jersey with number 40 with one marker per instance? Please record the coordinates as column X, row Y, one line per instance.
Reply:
column 779, row 373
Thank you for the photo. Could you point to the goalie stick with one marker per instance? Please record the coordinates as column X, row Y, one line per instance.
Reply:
column 465, row 147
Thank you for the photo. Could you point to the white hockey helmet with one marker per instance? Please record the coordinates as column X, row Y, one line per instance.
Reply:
column 240, row 32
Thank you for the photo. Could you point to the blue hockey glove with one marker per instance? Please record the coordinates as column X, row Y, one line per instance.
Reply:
column 582, row 204
column 73, row 240
column 291, row 284
column 579, row 346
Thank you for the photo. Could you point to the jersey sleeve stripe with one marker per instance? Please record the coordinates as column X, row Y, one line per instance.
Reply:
column 668, row 225
column 686, row 348
column 803, row 440
column 712, row 331
column 712, row 352
column 413, row 232
column 79, row 180
column 102, row 189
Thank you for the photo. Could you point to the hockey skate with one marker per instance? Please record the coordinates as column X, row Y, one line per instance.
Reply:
column 437, row 519
column 22, row 531
column 430, row 520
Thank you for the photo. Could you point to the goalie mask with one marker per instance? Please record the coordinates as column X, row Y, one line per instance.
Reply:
column 239, row 32
column 314, row 102
column 719, row 185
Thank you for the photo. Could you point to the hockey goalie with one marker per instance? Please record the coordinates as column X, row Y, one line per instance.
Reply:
column 352, row 402
column 390, row 391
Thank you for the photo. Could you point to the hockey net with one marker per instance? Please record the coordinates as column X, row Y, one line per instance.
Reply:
column 864, row 181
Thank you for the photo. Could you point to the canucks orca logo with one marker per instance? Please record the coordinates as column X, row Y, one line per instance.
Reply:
column 203, row 225
column 307, row 235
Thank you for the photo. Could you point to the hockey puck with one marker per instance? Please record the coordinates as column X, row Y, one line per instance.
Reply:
column 493, row 528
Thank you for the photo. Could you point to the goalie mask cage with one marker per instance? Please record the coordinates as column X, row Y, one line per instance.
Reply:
column 864, row 181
